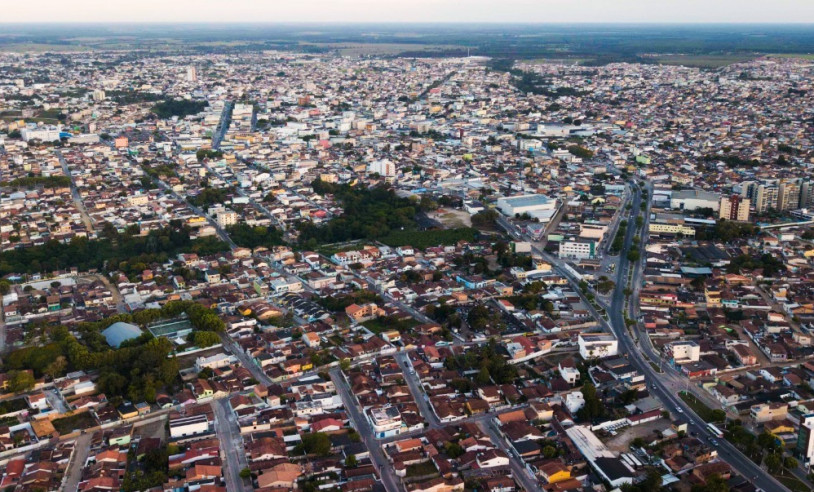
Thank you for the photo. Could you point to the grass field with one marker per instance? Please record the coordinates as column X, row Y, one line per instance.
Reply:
column 365, row 49
column 704, row 61
column 806, row 56
column 792, row 483
column 41, row 48
column 379, row 325
column 697, row 406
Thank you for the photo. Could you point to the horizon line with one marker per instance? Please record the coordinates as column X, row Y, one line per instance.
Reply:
column 394, row 22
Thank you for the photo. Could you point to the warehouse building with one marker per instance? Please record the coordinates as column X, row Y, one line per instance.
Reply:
column 513, row 205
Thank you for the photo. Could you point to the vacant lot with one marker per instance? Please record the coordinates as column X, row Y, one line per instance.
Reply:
column 78, row 421
column 153, row 429
column 452, row 218
column 621, row 442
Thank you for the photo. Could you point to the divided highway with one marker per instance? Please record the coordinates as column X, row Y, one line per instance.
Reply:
column 663, row 386
column 658, row 386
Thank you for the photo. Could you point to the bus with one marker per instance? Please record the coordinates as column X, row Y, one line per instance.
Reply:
column 715, row 431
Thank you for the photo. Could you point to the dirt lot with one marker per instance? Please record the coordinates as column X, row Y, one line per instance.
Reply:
column 621, row 442
column 152, row 429
column 452, row 218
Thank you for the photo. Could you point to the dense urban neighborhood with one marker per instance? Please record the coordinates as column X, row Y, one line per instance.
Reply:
column 287, row 270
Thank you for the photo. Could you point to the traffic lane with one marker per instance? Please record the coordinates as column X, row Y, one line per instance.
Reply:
column 726, row 451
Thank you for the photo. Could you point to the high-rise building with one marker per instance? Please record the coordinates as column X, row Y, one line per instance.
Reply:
column 192, row 74
column 734, row 207
column 383, row 167
column 806, row 194
column 788, row 195
column 762, row 195
column 805, row 439
column 781, row 195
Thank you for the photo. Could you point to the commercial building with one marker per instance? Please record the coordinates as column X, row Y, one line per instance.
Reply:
column 593, row 345
column 682, row 352
column 734, row 207
column 189, row 426
column 45, row 133
column 694, row 199
column 511, row 206
column 386, row 421
column 668, row 228
column 215, row 361
column 577, row 249
column 602, row 459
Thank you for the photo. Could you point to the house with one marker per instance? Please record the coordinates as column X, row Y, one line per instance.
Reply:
column 568, row 371
column 554, row 471
column 492, row 458
column 766, row 412
column 281, row 476
column 364, row 312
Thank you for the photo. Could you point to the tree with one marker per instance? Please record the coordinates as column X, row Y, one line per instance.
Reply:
column 20, row 381
column 350, row 461
column 549, row 451
column 718, row 415
column 637, row 442
column 57, row 367
column 317, row 443
column 344, row 364
column 485, row 218
column 790, row 462
column 593, row 405
column 5, row 287
column 483, row 377
column 245, row 473
column 715, row 483
column 454, row 450
column 773, row 462
column 767, row 440
column 205, row 338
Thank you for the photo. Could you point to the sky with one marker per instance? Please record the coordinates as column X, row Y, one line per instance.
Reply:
column 531, row 11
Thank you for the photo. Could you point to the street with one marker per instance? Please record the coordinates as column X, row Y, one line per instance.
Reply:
column 662, row 385
column 73, row 475
column 414, row 383
column 77, row 199
column 360, row 423
column 519, row 470
column 231, row 445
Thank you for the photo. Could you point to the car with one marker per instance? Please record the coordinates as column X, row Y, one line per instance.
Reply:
column 680, row 410
column 693, row 433
column 714, row 442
